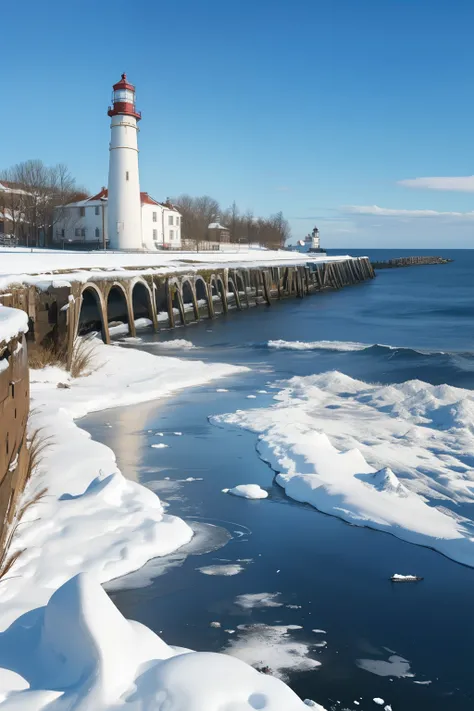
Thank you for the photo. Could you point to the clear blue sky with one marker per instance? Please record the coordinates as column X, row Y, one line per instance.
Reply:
column 314, row 107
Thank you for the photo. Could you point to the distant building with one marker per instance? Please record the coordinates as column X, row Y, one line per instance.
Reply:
column 217, row 232
column 84, row 224
column 12, row 219
column 314, row 241
column 311, row 243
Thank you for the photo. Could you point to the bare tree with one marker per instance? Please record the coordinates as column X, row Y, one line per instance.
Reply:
column 197, row 213
column 43, row 191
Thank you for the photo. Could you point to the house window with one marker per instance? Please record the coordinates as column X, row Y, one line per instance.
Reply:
column 83, row 232
column 154, row 217
column 170, row 220
column 62, row 233
column 97, row 210
column 77, row 232
column 82, row 211
column 177, row 222
column 155, row 234
column 126, row 175
column 171, row 234
column 97, row 232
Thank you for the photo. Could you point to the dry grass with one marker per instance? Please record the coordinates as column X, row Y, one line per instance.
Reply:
column 82, row 361
column 34, row 450
column 40, row 356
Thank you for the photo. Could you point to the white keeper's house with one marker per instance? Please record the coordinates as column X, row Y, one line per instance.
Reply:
column 120, row 217
column 84, row 224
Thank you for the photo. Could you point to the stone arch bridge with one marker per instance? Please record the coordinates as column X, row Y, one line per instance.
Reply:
column 68, row 306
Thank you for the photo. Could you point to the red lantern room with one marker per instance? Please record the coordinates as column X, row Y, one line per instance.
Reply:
column 123, row 99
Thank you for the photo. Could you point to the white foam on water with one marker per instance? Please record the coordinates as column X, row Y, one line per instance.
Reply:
column 317, row 345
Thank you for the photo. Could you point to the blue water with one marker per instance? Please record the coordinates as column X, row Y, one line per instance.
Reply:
column 337, row 573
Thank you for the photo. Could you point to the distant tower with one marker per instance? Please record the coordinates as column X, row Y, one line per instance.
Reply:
column 124, row 220
column 315, row 241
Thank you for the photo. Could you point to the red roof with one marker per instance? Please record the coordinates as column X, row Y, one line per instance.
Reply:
column 144, row 197
column 124, row 84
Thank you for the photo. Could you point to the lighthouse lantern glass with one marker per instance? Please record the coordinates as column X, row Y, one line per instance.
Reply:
column 124, row 96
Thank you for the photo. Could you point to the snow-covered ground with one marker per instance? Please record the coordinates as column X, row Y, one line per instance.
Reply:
column 391, row 457
column 63, row 643
column 80, row 653
column 36, row 266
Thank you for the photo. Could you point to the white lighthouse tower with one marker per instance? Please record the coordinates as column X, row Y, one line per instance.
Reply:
column 123, row 205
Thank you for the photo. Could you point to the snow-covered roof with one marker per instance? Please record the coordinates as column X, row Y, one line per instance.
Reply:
column 216, row 226
column 103, row 195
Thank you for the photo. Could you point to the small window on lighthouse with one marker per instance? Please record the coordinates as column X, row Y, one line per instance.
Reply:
column 126, row 175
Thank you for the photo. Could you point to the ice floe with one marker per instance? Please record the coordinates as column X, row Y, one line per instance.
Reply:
column 391, row 457
column 247, row 491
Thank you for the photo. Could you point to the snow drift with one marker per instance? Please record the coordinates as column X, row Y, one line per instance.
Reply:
column 79, row 652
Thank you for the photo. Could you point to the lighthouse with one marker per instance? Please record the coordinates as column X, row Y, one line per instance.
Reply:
column 124, row 205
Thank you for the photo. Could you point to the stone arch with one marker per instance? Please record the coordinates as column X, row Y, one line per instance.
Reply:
column 200, row 289
column 222, row 293
column 92, row 314
column 175, row 301
column 241, row 288
column 160, row 292
column 189, row 296
column 235, row 291
column 142, row 301
column 214, row 292
column 119, row 307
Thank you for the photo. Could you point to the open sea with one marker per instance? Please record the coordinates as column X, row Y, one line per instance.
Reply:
column 411, row 645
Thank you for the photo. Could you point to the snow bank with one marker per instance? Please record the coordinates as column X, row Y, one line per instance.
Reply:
column 378, row 456
column 86, row 499
column 247, row 491
column 13, row 322
column 80, row 652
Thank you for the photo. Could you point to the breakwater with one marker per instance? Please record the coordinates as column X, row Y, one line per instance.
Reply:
column 409, row 262
column 63, row 304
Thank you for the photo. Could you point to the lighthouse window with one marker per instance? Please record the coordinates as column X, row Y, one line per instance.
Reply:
column 170, row 220
column 154, row 217
column 97, row 210
column 126, row 175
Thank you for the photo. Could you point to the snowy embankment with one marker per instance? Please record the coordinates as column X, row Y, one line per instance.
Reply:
column 63, row 644
column 389, row 457
column 37, row 266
